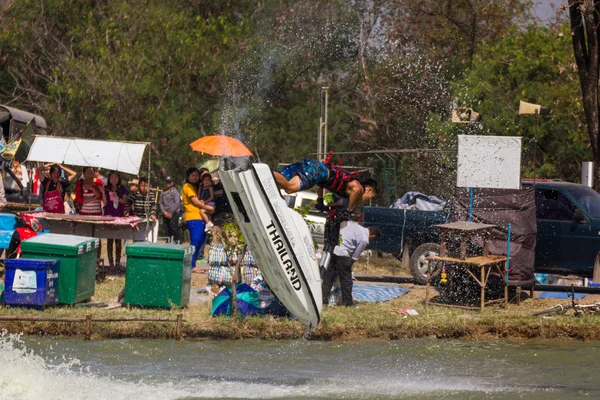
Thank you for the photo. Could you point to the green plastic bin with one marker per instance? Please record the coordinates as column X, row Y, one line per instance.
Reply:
column 158, row 274
column 77, row 255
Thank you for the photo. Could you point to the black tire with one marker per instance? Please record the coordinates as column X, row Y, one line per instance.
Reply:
column 418, row 264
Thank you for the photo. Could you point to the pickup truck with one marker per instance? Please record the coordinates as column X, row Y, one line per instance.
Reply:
column 568, row 230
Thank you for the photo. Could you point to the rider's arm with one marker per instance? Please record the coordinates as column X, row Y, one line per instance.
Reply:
column 355, row 192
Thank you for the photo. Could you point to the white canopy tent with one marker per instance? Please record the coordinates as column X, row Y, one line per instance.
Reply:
column 112, row 155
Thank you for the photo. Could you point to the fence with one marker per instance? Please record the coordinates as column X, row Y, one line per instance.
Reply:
column 88, row 321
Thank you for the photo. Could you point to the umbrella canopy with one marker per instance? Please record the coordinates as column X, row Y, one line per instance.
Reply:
column 220, row 145
column 246, row 301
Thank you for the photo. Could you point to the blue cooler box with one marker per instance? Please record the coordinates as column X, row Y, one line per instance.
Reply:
column 31, row 282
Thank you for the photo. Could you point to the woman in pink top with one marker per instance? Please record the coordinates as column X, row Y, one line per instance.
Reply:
column 90, row 196
column 89, row 193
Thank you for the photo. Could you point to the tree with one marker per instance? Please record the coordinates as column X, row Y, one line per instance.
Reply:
column 117, row 70
column 534, row 65
column 585, row 32
column 453, row 29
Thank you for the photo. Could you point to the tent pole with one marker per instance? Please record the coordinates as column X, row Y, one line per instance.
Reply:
column 149, row 162
column 507, row 268
column 149, row 186
column 470, row 204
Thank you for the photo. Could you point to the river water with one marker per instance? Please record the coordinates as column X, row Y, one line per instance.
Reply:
column 50, row 368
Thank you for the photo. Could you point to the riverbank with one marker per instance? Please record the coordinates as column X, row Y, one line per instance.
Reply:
column 369, row 320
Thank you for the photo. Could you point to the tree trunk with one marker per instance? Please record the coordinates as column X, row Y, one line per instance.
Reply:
column 583, row 15
column 596, row 180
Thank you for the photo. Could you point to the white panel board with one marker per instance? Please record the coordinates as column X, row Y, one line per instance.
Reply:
column 119, row 156
column 489, row 162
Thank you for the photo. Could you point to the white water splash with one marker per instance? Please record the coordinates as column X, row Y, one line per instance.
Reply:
column 28, row 376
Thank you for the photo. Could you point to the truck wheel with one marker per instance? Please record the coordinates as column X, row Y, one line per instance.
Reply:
column 418, row 263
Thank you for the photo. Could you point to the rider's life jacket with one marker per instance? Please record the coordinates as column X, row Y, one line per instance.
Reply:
column 338, row 177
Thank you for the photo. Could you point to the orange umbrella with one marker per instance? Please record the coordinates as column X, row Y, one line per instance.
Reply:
column 220, row 145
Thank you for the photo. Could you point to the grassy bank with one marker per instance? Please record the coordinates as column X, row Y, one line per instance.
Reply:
column 369, row 320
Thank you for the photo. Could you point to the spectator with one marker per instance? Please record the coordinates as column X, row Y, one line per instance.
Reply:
column 191, row 208
column 116, row 195
column 2, row 196
column 208, row 198
column 133, row 187
column 170, row 206
column 100, row 176
column 89, row 194
column 20, row 172
column 143, row 203
column 355, row 239
column 90, row 197
column 222, row 206
column 53, row 190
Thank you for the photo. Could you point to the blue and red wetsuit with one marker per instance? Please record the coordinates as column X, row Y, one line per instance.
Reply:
column 313, row 172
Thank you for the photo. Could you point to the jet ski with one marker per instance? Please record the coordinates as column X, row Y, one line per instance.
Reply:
column 278, row 236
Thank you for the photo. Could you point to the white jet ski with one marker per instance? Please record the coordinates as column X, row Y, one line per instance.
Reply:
column 279, row 239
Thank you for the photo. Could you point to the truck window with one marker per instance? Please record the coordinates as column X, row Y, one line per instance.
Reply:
column 306, row 202
column 588, row 199
column 290, row 200
column 552, row 204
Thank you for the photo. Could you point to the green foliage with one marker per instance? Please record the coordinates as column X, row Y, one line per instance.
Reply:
column 168, row 72
column 328, row 198
column 232, row 233
column 119, row 70
column 534, row 65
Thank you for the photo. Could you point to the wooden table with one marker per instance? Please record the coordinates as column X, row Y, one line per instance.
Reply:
column 126, row 228
column 485, row 265
column 465, row 231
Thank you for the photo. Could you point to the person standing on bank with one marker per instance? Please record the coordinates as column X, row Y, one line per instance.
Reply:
column 89, row 193
column 2, row 197
column 54, row 187
column 115, row 207
column 193, row 219
column 90, row 197
column 144, row 206
column 170, row 206
column 355, row 239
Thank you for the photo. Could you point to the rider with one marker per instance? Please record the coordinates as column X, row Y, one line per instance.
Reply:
column 307, row 173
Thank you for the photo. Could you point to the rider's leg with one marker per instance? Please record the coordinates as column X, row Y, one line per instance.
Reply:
column 291, row 186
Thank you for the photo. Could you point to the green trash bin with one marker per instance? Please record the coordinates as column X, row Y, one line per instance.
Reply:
column 158, row 274
column 77, row 255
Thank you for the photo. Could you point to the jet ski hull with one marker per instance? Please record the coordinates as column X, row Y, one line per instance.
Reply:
column 279, row 239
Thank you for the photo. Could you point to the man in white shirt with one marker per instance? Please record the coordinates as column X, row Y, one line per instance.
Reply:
column 355, row 239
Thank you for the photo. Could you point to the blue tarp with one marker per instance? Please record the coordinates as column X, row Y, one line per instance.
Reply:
column 419, row 201
column 374, row 293
column 560, row 295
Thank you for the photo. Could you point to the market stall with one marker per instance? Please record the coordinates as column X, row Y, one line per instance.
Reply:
column 111, row 155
